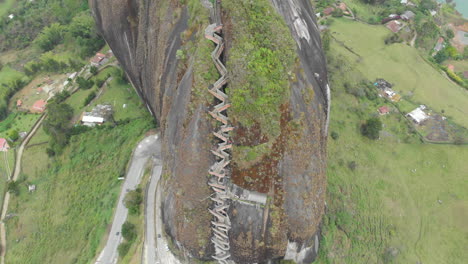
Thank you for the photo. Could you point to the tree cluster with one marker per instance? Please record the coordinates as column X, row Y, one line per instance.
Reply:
column 371, row 128
column 57, row 126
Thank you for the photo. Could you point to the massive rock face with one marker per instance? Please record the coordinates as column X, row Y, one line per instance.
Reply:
column 145, row 37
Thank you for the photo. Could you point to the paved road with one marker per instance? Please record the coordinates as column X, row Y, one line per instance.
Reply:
column 6, row 199
column 156, row 250
column 147, row 148
column 150, row 233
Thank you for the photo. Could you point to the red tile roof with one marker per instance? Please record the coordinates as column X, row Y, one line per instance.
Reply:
column 451, row 67
column 98, row 58
column 394, row 26
column 327, row 11
column 384, row 110
column 39, row 105
column 3, row 144
column 19, row 103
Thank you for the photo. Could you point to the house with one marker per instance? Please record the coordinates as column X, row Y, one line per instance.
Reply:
column 72, row 75
column 19, row 103
column 327, row 11
column 99, row 115
column 39, row 90
column 31, row 188
column 439, row 45
column 39, row 106
column 394, row 26
column 465, row 74
column 418, row 115
column 98, row 59
column 384, row 110
column 404, row 2
column 408, row 15
column 450, row 67
column 11, row 16
column 4, row 145
column 343, row 7
column 433, row 12
column 395, row 98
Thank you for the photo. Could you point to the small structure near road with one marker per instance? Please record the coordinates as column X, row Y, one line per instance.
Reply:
column 98, row 59
column 31, row 188
column 385, row 90
column 39, row 106
column 418, row 115
column 99, row 115
column 394, row 26
column 4, row 145
column 384, row 110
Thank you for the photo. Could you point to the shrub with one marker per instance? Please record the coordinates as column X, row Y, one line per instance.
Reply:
column 334, row 135
column 50, row 37
column 93, row 70
column 123, row 248
column 13, row 187
column 89, row 98
column 129, row 231
column 83, row 83
column 133, row 200
column 352, row 165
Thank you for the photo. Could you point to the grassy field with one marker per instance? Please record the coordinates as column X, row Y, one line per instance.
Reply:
column 393, row 200
column 401, row 65
column 65, row 220
column 5, row 5
column 8, row 74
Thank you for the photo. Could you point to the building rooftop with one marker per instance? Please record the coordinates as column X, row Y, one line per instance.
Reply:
column 99, row 114
column 418, row 115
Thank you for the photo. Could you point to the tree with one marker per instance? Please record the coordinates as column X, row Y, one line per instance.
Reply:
column 450, row 34
column 372, row 128
column 129, row 231
column 93, row 70
column 133, row 200
column 13, row 134
column 57, row 124
column 50, row 37
column 441, row 56
column 83, row 83
column 335, row 135
column 13, row 187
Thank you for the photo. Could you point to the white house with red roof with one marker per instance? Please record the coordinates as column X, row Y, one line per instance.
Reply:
column 4, row 145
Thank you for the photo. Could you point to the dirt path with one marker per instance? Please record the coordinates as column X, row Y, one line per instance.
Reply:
column 16, row 173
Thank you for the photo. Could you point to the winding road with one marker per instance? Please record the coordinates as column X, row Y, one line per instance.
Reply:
column 147, row 148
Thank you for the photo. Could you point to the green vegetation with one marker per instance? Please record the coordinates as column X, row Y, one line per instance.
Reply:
column 67, row 216
column 32, row 16
column 10, row 82
column 371, row 128
column 392, row 200
column 259, row 63
column 133, row 201
column 57, row 126
column 5, row 5
column 416, row 80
